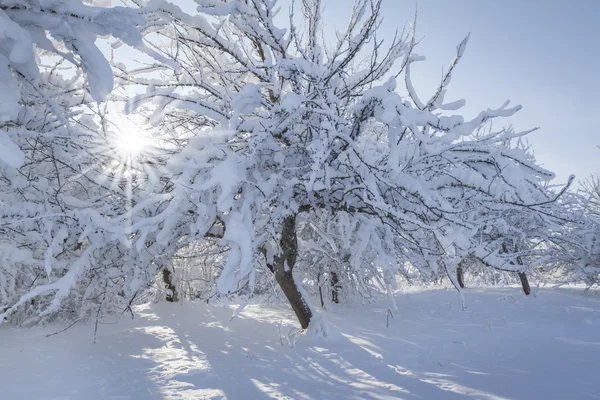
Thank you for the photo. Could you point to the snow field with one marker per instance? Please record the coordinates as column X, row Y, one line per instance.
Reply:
column 502, row 346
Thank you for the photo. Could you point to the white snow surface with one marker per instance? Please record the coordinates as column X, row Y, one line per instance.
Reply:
column 502, row 346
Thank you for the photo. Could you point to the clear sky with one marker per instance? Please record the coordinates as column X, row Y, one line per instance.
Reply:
column 542, row 54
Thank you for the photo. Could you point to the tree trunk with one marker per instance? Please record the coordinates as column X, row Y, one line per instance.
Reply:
column 321, row 297
column 522, row 275
column 171, row 296
column 524, row 283
column 459, row 276
column 523, row 278
column 335, row 285
column 294, row 296
column 282, row 268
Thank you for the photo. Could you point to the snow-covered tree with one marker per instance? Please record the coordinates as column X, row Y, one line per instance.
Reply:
column 520, row 239
column 277, row 127
column 287, row 127
column 59, row 172
column 62, row 34
column 513, row 235
column 578, row 258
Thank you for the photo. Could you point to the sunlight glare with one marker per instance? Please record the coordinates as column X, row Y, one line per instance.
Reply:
column 130, row 140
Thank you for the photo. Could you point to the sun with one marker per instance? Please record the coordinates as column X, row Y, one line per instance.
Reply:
column 131, row 144
column 130, row 139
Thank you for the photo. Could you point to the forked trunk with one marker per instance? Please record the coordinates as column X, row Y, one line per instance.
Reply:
column 171, row 296
column 524, row 283
column 522, row 275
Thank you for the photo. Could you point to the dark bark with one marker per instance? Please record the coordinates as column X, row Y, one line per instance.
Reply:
column 459, row 276
column 523, row 278
column 320, row 290
column 335, row 286
column 321, row 297
column 282, row 268
column 525, row 283
column 522, row 275
column 294, row 296
column 172, row 296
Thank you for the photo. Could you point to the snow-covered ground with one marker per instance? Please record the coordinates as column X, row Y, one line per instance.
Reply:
column 503, row 345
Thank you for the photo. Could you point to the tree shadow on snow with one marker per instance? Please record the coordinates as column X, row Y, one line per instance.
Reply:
column 213, row 357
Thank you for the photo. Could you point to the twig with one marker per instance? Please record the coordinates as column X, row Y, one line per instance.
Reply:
column 62, row 330
column 387, row 318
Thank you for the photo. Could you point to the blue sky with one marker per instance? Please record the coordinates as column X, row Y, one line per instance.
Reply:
column 542, row 54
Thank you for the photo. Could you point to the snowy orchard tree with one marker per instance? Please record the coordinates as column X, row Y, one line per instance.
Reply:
column 579, row 247
column 590, row 191
column 285, row 127
column 590, row 262
column 334, row 260
column 514, row 240
column 517, row 236
column 64, row 32
column 265, row 129
column 57, row 157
